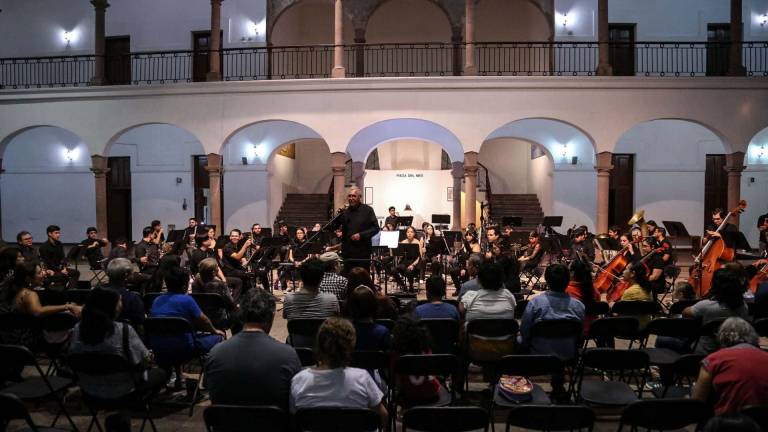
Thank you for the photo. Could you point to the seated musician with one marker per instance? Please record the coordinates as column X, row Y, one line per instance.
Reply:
column 655, row 266
column 632, row 252
column 259, row 259
column 458, row 269
column 282, row 233
column 662, row 242
column 762, row 226
column 428, row 251
column 494, row 247
column 408, row 265
column 28, row 251
column 582, row 249
column 334, row 243
column 157, row 227
column 234, row 259
column 297, row 255
column 392, row 218
column 614, row 232
column 55, row 262
column 637, row 235
column 147, row 252
column 533, row 254
column 718, row 215
column 192, row 228
column 92, row 245
column 119, row 250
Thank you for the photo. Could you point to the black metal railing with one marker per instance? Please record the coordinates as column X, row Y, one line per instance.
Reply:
column 688, row 59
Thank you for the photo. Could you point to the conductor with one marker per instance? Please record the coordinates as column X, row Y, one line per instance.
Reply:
column 358, row 225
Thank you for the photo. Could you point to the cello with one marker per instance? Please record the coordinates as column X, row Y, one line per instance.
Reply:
column 712, row 256
column 610, row 273
column 760, row 277
column 614, row 294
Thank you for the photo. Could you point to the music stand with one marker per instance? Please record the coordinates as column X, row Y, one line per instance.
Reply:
column 675, row 229
column 401, row 235
column 519, row 237
column 388, row 239
column 275, row 242
column 404, row 221
column 552, row 221
column 315, row 248
column 452, row 236
column 605, row 243
column 175, row 236
column 438, row 246
column 514, row 221
column 442, row 219
column 407, row 250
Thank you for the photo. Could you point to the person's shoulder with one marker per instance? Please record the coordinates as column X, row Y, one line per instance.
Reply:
column 468, row 296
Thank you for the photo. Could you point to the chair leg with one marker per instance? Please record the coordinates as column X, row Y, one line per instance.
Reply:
column 63, row 410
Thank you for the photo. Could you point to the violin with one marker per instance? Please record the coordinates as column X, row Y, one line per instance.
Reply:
column 712, row 257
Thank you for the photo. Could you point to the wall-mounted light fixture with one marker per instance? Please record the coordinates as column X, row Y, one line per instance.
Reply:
column 762, row 152
column 258, row 151
column 69, row 37
column 564, row 21
column 763, row 19
column 70, row 154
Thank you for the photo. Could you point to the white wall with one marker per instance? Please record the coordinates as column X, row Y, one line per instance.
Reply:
column 41, row 186
column 508, row 163
column 425, row 190
column 540, row 181
column 670, row 162
column 409, row 154
column 754, row 186
column 159, row 155
column 574, row 197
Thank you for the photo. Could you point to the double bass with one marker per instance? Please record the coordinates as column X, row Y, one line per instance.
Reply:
column 712, row 256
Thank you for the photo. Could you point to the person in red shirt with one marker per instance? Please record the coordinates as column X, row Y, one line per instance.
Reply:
column 731, row 378
column 580, row 287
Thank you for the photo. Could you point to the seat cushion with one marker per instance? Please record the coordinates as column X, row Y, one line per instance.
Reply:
column 662, row 356
column 612, row 393
column 35, row 388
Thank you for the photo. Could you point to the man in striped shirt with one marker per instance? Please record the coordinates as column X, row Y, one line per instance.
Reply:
column 333, row 282
column 309, row 302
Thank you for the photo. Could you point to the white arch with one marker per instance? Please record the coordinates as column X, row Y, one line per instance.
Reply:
column 368, row 138
column 258, row 141
column 123, row 132
column 556, row 136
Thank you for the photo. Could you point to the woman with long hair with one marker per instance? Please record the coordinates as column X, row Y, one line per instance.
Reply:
column 580, row 287
column 639, row 288
column 207, row 282
column 385, row 307
column 10, row 257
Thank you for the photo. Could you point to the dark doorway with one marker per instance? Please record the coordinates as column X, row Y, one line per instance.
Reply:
column 621, row 192
column 201, row 45
column 718, row 48
column 202, row 185
column 119, row 219
column 621, row 54
column 117, row 67
column 715, row 186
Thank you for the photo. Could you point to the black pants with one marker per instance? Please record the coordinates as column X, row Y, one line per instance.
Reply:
column 403, row 271
column 60, row 279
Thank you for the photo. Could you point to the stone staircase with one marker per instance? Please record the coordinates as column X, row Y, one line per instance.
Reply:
column 526, row 206
column 304, row 210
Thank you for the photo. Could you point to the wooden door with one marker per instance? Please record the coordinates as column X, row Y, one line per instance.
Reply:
column 117, row 66
column 715, row 186
column 621, row 54
column 202, row 186
column 201, row 45
column 718, row 48
column 119, row 219
column 621, row 192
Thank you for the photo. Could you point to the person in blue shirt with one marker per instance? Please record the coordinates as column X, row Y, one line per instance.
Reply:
column 360, row 307
column 435, row 307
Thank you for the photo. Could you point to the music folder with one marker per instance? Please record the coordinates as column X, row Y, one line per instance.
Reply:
column 389, row 239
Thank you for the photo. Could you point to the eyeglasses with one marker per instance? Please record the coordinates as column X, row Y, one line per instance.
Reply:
column 26, row 238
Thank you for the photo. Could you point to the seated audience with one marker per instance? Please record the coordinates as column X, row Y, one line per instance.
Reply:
column 208, row 282
column 332, row 383
column 308, row 302
column 361, row 308
column 176, row 303
column 474, row 262
column 252, row 368
column 733, row 378
column 435, row 307
column 726, row 299
column 554, row 304
column 333, row 282
column 98, row 332
column 491, row 301
column 580, row 287
column 640, row 288
column 10, row 257
column 683, row 291
column 119, row 270
column 408, row 337
column 385, row 307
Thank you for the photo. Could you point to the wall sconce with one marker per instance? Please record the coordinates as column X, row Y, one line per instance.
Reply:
column 70, row 154
column 565, row 21
column 763, row 19
column 258, row 150
column 563, row 150
column 67, row 38
column 761, row 152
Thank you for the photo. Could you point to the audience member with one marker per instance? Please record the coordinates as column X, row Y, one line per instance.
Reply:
column 580, row 287
column 10, row 257
column 333, row 282
column 408, row 337
column 726, row 299
column 119, row 271
column 385, row 307
column 474, row 262
column 732, row 377
column 732, row 423
column 435, row 307
column 491, row 301
column 332, row 383
column 208, row 282
column 361, row 308
column 308, row 302
column 252, row 368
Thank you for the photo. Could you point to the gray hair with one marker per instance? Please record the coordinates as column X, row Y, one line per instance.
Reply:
column 118, row 269
column 736, row 331
column 257, row 306
column 356, row 189
column 476, row 260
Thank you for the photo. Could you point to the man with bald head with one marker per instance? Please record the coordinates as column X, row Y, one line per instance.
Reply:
column 358, row 225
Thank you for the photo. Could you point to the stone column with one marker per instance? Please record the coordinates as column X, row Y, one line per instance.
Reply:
column 358, row 174
column 99, row 41
column 360, row 52
column 469, row 38
column 100, row 168
column 457, row 171
column 734, row 165
column 470, row 187
column 735, row 67
column 338, row 41
column 214, row 58
column 215, row 169
column 603, row 167
column 604, row 64
column 338, row 168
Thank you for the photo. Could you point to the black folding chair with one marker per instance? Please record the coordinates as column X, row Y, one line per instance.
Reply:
column 680, row 328
column 36, row 388
column 77, row 296
column 388, row 323
column 551, row 417
column 306, row 356
column 664, row 414
column 605, row 330
column 96, row 365
column 54, row 323
column 444, row 333
column 761, row 327
column 149, row 299
column 678, row 307
column 759, row 414
column 520, row 308
column 337, row 419
column 625, row 308
column 215, row 305
column 303, row 330
column 684, row 372
column 12, row 408
column 445, row 419
column 442, row 366
column 708, row 330
column 233, row 418
column 620, row 367
column 599, row 309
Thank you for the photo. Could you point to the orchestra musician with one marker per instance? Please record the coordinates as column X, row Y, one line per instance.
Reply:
column 92, row 247
column 762, row 226
column 458, row 270
column 428, row 251
column 494, row 246
column 358, row 224
column 234, row 259
column 409, row 265
column 660, row 237
column 55, row 261
column 614, row 241
column 655, row 264
column 717, row 218
column 120, row 250
column 192, row 228
column 206, row 249
column 256, row 256
column 334, row 243
column 282, row 233
column 157, row 227
column 147, row 254
column 582, row 249
column 533, row 252
column 637, row 236
column 392, row 218
column 651, row 226
column 632, row 252
column 297, row 254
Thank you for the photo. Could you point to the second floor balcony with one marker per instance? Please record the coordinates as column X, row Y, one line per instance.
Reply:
column 642, row 59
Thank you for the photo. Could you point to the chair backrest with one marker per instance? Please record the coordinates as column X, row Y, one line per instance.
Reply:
column 209, row 301
column 148, row 299
column 306, row 356
column 61, row 321
column 98, row 364
column 710, row 328
column 600, row 308
column 492, row 327
column 520, row 308
column 444, row 333
column 370, row 360
column 759, row 414
column 551, row 417
column 77, row 296
column 673, row 327
column 761, row 326
column 51, row 297
column 13, row 408
column 557, row 328
column 687, row 366
column 664, row 414
column 609, row 359
column 233, row 418
column 529, row 365
column 305, row 327
column 12, row 356
column 636, row 308
column 337, row 419
column 439, row 419
column 611, row 327
column 678, row 307
column 18, row 321
column 167, row 326
column 427, row 364
column 388, row 323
